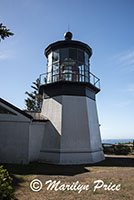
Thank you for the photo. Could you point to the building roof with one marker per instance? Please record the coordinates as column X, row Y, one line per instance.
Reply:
column 68, row 43
column 15, row 108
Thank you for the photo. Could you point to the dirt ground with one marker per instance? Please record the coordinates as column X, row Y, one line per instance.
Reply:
column 113, row 170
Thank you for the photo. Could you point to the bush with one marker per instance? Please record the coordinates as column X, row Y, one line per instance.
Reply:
column 6, row 190
column 122, row 150
column 108, row 149
column 118, row 149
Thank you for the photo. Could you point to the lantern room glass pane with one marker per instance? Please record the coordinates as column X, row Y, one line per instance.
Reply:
column 55, row 56
column 55, row 68
column 81, row 56
column 86, row 76
column 72, row 54
column 64, row 54
column 81, row 72
column 67, row 73
column 86, row 58
column 55, row 72
column 86, row 67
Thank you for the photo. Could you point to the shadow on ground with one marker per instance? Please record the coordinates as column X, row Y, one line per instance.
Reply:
column 46, row 169
column 67, row 170
column 16, row 181
column 117, row 161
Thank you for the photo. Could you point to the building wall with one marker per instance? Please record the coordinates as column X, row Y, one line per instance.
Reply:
column 14, row 137
column 14, row 140
column 20, row 137
column 36, row 135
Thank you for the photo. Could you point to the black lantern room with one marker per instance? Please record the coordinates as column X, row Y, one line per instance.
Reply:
column 69, row 61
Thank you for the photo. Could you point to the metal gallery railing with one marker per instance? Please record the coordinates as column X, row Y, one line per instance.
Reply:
column 50, row 77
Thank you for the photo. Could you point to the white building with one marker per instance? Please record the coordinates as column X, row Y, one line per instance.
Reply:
column 20, row 135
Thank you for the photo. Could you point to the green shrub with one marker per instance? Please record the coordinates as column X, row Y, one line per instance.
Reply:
column 108, row 149
column 6, row 190
column 118, row 149
column 122, row 150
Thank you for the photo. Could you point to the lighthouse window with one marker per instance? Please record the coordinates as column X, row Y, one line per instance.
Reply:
column 81, row 56
column 64, row 54
column 86, row 68
column 55, row 72
column 55, row 56
column 67, row 73
column 86, row 76
column 82, row 67
column 86, row 58
column 79, row 69
column 55, row 67
column 72, row 54
column 83, row 73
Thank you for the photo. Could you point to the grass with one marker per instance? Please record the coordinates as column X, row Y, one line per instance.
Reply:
column 115, row 169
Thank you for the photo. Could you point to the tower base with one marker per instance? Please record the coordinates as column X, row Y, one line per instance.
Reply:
column 72, row 135
column 71, row 158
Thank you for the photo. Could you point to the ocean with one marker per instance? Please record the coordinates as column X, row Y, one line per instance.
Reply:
column 115, row 141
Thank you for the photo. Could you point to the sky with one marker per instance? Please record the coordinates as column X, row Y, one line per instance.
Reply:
column 107, row 26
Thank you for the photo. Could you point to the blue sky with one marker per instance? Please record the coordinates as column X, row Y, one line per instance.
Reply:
column 107, row 26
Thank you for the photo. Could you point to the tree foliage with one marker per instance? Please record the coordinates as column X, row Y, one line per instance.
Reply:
column 4, row 32
column 34, row 100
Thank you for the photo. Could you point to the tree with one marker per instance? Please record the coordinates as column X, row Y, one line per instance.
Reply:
column 4, row 32
column 34, row 100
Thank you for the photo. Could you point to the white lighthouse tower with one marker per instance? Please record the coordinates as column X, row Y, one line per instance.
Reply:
column 72, row 134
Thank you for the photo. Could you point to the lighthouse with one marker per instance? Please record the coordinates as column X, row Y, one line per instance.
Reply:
column 72, row 134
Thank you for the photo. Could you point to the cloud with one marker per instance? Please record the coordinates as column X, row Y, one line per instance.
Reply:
column 130, row 88
column 125, row 60
column 123, row 104
column 8, row 49
column 5, row 55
